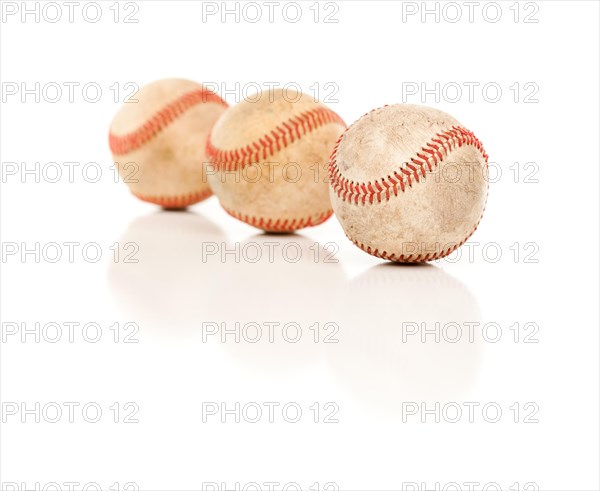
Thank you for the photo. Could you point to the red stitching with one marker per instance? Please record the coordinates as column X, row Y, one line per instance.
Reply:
column 180, row 201
column 121, row 145
column 280, row 224
column 430, row 156
column 278, row 138
column 427, row 159
column 413, row 258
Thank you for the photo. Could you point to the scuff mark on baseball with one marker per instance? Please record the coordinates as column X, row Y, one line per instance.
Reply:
column 408, row 183
column 158, row 141
column 269, row 160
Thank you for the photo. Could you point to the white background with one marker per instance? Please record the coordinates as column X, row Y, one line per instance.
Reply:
column 545, row 225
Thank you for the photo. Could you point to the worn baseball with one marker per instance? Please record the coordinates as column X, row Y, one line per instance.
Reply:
column 408, row 183
column 159, row 138
column 269, row 159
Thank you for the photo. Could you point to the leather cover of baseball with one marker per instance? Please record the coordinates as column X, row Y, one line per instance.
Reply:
column 408, row 183
column 269, row 160
column 158, row 142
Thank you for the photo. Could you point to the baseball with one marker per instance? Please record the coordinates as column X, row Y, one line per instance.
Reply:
column 269, row 160
column 158, row 141
column 408, row 183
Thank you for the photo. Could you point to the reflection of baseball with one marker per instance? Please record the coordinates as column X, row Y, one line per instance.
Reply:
column 408, row 183
column 158, row 142
column 269, row 160
column 165, row 286
column 246, row 296
column 418, row 338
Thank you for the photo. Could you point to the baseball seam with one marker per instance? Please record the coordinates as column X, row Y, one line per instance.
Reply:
column 283, row 135
column 281, row 224
column 179, row 201
column 414, row 258
column 123, row 144
column 280, row 137
column 425, row 161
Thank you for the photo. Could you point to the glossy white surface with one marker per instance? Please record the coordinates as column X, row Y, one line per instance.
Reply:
column 182, row 292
